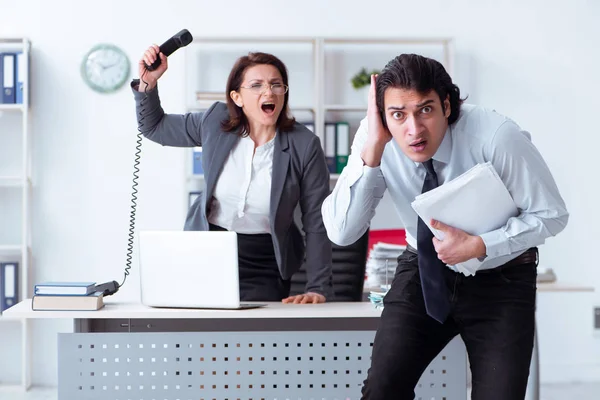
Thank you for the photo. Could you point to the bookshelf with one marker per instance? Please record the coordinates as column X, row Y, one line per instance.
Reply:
column 320, row 70
column 15, row 195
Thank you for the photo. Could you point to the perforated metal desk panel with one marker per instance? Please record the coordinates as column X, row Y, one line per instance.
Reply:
column 129, row 351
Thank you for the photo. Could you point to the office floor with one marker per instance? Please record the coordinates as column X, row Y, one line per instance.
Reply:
column 579, row 391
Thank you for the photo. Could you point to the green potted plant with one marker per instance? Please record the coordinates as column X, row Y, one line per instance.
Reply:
column 363, row 78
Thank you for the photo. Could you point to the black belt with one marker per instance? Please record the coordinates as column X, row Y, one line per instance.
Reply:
column 528, row 257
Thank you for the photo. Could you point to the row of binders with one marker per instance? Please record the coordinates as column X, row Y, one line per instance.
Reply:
column 67, row 296
column 12, row 77
column 336, row 144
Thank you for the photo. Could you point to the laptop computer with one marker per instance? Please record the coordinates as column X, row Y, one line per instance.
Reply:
column 190, row 269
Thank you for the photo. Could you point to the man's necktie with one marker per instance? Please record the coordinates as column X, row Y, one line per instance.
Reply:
column 431, row 268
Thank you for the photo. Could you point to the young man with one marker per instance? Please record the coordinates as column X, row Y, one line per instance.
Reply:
column 418, row 134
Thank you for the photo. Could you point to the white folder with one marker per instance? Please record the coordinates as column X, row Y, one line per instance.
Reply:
column 476, row 202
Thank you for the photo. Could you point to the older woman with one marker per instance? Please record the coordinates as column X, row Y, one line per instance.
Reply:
column 259, row 165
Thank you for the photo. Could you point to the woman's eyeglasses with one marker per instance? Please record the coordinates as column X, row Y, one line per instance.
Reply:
column 258, row 88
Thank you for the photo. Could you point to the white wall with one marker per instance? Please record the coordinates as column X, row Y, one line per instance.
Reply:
column 531, row 60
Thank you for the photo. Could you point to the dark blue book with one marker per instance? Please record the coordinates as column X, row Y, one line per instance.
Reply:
column 64, row 288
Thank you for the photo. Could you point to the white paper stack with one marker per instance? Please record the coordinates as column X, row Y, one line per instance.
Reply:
column 476, row 202
column 381, row 264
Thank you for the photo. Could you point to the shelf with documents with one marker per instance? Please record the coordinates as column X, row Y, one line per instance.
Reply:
column 16, row 188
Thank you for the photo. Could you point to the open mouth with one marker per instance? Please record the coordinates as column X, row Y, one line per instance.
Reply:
column 419, row 145
column 268, row 108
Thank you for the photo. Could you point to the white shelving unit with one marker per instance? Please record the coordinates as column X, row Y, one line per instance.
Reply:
column 15, row 197
column 320, row 70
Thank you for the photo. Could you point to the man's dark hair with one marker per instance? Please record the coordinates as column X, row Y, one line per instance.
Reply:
column 422, row 74
column 237, row 121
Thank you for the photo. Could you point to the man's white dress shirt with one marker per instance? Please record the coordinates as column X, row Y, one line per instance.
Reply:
column 478, row 136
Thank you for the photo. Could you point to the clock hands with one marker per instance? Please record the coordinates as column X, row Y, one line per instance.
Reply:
column 108, row 66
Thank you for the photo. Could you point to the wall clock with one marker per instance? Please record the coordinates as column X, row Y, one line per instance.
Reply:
column 105, row 68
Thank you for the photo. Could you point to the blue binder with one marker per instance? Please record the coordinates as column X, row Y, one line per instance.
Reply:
column 9, row 285
column 20, row 76
column 7, row 77
column 197, row 161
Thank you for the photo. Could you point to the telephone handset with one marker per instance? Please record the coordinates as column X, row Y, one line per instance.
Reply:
column 180, row 39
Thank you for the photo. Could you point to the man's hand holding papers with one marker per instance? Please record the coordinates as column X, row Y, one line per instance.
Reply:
column 458, row 246
column 471, row 204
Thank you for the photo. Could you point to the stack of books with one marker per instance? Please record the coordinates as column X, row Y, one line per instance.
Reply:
column 66, row 296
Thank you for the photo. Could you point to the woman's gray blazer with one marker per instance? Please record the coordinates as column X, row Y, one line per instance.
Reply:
column 300, row 176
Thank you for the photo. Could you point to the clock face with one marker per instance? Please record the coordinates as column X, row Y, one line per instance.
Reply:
column 105, row 68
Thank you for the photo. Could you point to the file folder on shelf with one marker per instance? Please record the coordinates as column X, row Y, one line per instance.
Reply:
column 7, row 78
column 20, row 74
column 476, row 202
column 330, row 147
column 342, row 144
column 9, row 285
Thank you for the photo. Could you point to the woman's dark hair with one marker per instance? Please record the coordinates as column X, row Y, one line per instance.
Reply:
column 415, row 72
column 237, row 121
